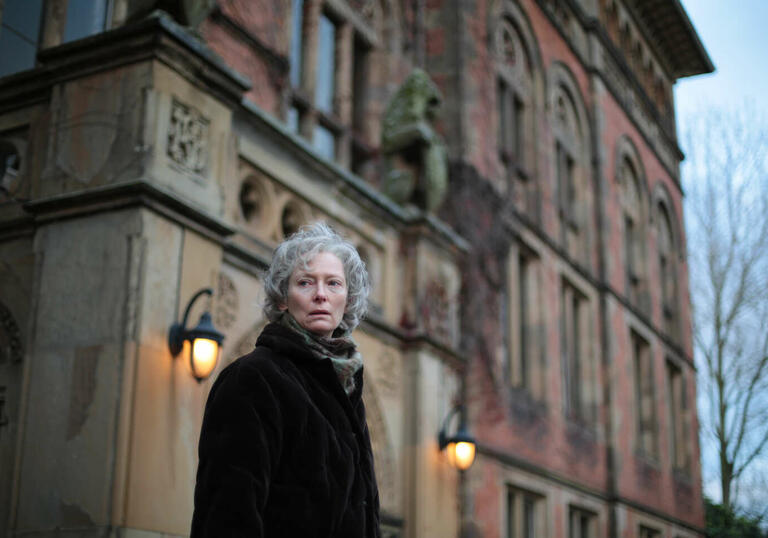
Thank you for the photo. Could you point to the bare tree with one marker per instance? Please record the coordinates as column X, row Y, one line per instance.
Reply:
column 726, row 181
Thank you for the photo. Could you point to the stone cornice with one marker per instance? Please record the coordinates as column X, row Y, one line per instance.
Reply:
column 667, row 28
column 614, row 71
column 126, row 195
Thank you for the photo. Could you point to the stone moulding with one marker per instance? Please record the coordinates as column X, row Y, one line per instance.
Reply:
column 125, row 195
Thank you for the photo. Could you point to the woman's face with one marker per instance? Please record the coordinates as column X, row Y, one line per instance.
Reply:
column 317, row 295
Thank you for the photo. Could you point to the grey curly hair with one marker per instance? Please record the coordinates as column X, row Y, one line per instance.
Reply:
column 301, row 248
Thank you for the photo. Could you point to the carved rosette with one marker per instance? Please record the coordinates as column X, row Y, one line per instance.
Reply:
column 188, row 138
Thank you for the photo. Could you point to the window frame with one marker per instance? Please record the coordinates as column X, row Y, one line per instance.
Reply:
column 526, row 343
column 344, row 118
column 52, row 31
column 582, row 513
column 517, row 501
column 578, row 374
column 645, row 396
column 678, row 415
column 668, row 270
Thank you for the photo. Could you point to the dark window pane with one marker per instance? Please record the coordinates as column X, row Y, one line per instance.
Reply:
column 16, row 54
column 297, row 23
column 504, row 118
column 510, row 515
column 23, row 16
column 359, row 85
column 529, row 531
column 523, row 315
column 326, row 68
column 19, row 34
column 84, row 18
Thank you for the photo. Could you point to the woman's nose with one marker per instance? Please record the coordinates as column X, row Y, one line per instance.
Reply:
column 320, row 293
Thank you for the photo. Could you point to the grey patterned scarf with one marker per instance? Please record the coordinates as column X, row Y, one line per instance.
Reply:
column 341, row 351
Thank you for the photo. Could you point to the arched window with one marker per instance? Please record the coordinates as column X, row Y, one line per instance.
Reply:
column 513, row 98
column 515, row 106
column 665, row 245
column 630, row 179
column 573, row 195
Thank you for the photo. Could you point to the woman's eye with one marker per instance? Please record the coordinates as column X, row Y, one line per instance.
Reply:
column 304, row 283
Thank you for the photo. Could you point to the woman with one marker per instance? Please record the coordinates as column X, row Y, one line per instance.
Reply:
column 284, row 449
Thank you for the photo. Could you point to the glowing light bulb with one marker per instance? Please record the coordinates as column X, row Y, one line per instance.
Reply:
column 464, row 454
column 205, row 355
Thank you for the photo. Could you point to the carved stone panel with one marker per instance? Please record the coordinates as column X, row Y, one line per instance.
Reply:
column 188, row 138
column 97, row 129
column 225, row 313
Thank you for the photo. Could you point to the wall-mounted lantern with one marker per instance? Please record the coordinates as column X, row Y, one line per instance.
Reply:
column 204, row 340
column 460, row 447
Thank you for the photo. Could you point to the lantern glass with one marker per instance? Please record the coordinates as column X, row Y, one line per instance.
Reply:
column 461, row 454
column 204, row 356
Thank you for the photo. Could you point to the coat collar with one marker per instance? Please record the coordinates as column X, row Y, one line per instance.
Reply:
column 286, row 343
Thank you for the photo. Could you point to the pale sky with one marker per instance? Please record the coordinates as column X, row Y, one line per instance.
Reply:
column 735, row 35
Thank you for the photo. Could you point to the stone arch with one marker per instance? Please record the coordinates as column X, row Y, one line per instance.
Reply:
column 512, row 12
column 626, row 149
column 381, row 444
column 629, row 176
column 571, row 164
column 670, row 253
column 244, row 345
column 518, row 96
column 561, row 79
column 662, row 198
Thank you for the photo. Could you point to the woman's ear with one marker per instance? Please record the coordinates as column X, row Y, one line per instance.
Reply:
column 282, row 307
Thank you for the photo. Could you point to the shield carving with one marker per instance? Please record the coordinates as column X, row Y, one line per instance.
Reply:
column 87, row 125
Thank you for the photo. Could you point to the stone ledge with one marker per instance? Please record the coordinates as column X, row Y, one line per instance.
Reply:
column 123, row 195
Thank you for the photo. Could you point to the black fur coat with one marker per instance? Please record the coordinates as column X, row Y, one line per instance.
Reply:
column 283, row 450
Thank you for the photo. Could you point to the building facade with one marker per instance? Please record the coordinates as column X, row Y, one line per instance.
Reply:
column 509, row 171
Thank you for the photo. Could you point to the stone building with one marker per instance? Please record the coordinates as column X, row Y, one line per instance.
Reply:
column 509, row 170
